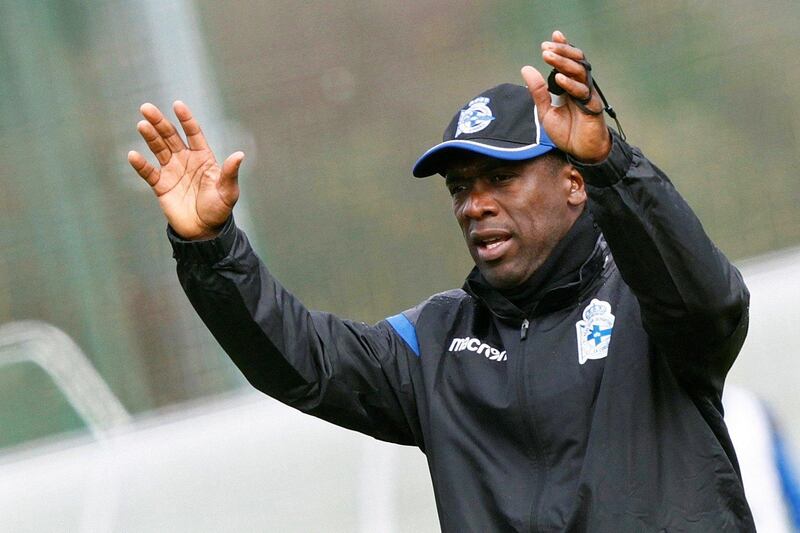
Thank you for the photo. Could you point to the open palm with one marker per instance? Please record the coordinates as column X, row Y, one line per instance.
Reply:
column 194, row 192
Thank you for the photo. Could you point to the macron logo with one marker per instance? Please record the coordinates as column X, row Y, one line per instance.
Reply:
column 475, row 345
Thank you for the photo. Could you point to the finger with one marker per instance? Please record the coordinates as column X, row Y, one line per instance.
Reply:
column 229, row 178
column 577, row 90
column 163, row 126
column 154, row 141
column 566, row 50
column 559, row 37
column 143, row 168
column 194, row 135
column 538, row 89
column 566, row 66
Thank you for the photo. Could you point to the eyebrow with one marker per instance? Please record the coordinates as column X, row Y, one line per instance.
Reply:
column 450, row 178
column 481, row 168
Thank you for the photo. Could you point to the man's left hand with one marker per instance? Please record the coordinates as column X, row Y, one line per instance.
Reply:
column 585, row 137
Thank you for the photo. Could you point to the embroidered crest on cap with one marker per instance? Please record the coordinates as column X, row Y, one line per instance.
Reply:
column 475, row 117
column 594, row 331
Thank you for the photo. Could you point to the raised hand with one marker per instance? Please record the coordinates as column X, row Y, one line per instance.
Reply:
column 580, row 134
column 195, row 194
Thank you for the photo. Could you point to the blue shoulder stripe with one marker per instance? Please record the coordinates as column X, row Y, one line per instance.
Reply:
column 403, row 326
column 791, row 490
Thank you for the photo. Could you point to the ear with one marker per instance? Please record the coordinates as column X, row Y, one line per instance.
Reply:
column 577, row 189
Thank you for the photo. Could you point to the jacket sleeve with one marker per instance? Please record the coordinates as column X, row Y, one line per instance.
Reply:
column 694, row 304
column 349, row 373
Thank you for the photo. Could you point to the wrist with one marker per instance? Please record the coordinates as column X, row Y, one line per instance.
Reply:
column 206, row 235
column 600, row 153
column 610, row 170
column 209, row 250
column 195, row 233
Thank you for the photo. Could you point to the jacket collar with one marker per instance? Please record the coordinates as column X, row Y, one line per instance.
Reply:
column 572, row 265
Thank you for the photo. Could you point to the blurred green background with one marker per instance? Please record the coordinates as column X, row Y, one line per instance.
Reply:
column 332, row 102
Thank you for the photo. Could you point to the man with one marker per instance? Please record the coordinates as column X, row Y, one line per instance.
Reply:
column 573, row 384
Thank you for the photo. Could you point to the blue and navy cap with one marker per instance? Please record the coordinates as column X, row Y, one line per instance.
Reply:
column 501, row 122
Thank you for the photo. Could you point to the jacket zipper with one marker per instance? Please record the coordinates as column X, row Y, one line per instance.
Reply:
column 527, row 422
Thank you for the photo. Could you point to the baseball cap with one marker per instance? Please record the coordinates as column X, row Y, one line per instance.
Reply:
column 501, row 122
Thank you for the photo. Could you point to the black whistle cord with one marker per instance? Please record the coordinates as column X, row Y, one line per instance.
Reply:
column 556, row 89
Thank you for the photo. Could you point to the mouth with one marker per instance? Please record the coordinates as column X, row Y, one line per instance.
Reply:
column 492, row 245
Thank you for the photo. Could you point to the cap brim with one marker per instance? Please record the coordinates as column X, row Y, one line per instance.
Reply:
column 434, row 160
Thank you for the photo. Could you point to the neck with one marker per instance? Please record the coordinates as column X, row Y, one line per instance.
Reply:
column 562, row 267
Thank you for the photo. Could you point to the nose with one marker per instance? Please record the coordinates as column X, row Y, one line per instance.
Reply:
column 479, row 203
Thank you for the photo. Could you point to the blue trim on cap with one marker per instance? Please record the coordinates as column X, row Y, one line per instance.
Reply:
column 406, row 330
column 510, row 154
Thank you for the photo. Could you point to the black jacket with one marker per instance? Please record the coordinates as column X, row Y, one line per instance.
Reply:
column 598, row 409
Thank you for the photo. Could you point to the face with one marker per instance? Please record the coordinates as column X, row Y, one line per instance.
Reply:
column 512, row 214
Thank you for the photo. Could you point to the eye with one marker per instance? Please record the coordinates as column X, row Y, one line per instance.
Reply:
column 456, row 187
column 500, row 178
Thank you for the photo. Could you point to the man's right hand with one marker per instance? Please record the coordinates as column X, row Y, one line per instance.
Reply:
column 195, row 194
column 584, row 136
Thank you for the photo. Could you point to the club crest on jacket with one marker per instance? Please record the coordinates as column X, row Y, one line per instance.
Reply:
column 594, row 331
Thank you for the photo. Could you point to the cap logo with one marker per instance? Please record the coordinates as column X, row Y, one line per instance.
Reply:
column 475, row 117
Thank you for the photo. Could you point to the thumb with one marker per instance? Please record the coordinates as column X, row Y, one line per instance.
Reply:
column 538, row 89
column 229, row 178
